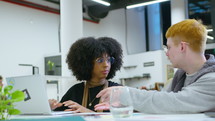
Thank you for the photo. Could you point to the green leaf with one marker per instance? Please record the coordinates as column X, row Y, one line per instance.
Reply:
column 7, row 89
column 6, row 106
column 50, row 64
column 3, row 97
column 14, row 111
column 7, row 99
column 5, row 102
column 18, row 96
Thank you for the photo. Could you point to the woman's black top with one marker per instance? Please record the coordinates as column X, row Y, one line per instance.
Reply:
column 75, row 93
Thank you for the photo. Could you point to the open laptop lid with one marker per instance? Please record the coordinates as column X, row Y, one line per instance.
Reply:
column 36, row 99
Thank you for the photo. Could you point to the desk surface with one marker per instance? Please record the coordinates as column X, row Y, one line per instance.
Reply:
column 108, row 117
column 47, row 118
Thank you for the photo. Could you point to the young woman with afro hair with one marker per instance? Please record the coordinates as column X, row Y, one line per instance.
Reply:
column 92, row 61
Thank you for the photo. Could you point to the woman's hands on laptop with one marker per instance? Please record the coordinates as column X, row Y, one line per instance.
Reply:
column 77, row 108
column 54, row 104
column 73, row 106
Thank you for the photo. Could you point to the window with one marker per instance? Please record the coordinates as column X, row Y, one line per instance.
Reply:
column 202, row 9
column 146, row 27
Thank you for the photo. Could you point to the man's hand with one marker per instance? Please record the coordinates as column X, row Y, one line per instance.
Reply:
column 105, row 94
column 105, row 98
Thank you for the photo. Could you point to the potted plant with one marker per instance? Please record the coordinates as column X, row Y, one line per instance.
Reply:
column 7, row 99
column 50, row 67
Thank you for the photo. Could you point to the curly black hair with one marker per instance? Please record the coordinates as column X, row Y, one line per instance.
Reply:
column 84, row 51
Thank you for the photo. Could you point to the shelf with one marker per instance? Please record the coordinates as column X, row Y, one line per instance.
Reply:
column 53, row 77
column 144, row 76
column 130, row 67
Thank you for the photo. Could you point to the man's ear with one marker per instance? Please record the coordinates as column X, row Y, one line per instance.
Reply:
column 183, row 46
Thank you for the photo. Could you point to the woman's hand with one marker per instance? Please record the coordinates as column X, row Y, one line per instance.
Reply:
column 102, row 106
column 77, row 108
column 54, row 104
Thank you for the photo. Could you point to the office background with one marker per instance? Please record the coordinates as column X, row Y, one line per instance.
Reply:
column 29, row 35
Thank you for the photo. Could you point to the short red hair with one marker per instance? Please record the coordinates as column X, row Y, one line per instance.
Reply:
column 191, row 31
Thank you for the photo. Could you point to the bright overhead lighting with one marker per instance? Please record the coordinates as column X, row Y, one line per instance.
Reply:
column 145, row 3
column 210, row 37
column 102, row 2
column 209, row 30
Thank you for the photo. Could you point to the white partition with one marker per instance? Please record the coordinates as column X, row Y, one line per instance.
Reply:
column 133, row 69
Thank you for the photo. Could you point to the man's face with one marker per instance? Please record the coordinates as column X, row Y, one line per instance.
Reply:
column 173, row 52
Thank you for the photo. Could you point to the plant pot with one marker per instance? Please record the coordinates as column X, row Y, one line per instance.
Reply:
column 51, row 72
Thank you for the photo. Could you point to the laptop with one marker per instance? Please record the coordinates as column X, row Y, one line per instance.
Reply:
column 36, row 99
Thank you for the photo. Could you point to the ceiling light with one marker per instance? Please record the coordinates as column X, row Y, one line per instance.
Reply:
column 210, row 37
column 209, row 30
column 102, row 2
column 145, row 3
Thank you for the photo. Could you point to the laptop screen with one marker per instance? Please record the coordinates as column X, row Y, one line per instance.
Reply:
column 34, row 87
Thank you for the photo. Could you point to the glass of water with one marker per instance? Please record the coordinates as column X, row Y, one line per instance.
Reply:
column 121, row 103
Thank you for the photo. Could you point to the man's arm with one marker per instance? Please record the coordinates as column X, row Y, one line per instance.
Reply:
column 195, row 98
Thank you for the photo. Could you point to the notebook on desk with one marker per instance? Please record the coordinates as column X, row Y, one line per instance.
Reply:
column 36, row 99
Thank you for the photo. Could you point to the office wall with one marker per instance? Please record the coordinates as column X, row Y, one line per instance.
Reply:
column 113, row 26
column 26, row 36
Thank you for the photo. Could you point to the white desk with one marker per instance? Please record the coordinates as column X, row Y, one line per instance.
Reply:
column 150, row 117
column 135, row 117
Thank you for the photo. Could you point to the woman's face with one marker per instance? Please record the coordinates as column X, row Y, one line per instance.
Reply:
column 101, row 67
